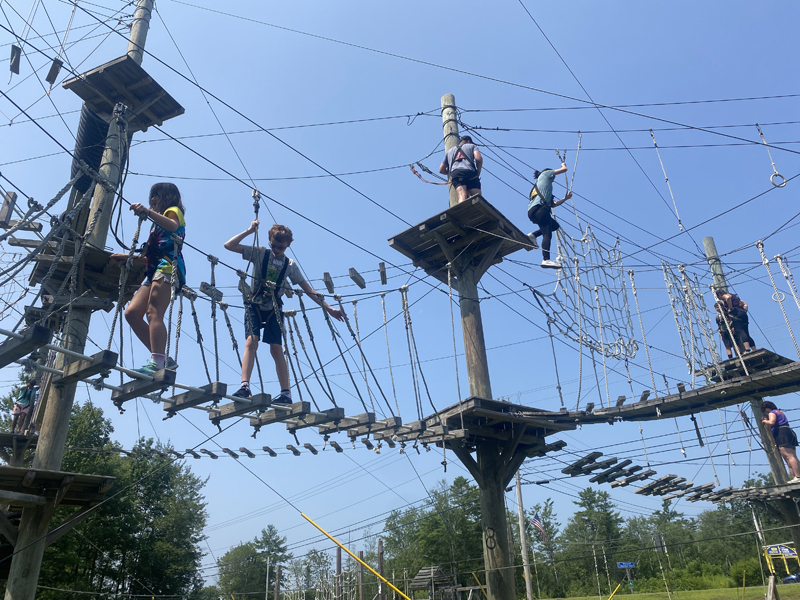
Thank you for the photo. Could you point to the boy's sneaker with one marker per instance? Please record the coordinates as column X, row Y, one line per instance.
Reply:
column 532, row 238
column 171, row 364
column 149, row 368
column 242, row 392
column 794, row 480
column 281, row 399
column 551, row 264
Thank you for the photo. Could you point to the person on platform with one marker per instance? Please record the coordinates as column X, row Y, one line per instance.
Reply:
column 736, row 309
column 151, row 300
column 22, row 406
column 271, row 268
column 540, row 209
column 785, row 437
column 463, row 164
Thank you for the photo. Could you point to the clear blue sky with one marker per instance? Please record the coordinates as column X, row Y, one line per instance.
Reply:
column 493, row 58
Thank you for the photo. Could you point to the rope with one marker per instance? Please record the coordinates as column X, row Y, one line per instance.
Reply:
column 427, row 170
column 358, row 342
column 687, row 292
column 777, row 296
column 290, row 330
column 178, row 325
column 775, row 173
column 552, row 343
column 644, row 338
column 364, row 359
column 258, row 370
column 710, row 456
column 404, row 300
column 388, row 351
column 234, row 343
column 455, row 347
column 174, row 291
column 123, row 280
column 725, row 433
column 639, row 423
column 214, row 260
column 675, row 314
column 316, row 352
column 244, row 288
column 192, row 296
column 706, row 330
column 677, row 427
column 308, row 358
column 602, row 352
column 787, row 273
column 580, row 336
column 658, row 152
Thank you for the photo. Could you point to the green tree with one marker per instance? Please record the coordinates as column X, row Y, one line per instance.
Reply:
column 243, row 568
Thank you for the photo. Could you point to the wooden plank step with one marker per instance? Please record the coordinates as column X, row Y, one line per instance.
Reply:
column 141, row 387
column 34, row 337
column 278, row 414
column 362, row 419
column 83, row 369
column 37, row 227
column 212, row 392
column 92, row 302
column 382, row 425
column 414, row 426
column 235, row 409
column 326, row 416
column 28, row 243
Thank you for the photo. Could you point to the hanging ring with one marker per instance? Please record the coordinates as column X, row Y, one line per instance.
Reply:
column 779, row 176
column 778, row 296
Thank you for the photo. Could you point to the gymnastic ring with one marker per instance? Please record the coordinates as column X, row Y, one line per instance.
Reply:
column 782, row 178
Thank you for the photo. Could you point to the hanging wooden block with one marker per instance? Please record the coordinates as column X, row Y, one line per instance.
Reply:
column 357, row 278
column 7, row 210
column 382, row 270
column 16, row 54
column 326, row 277
column 55, row 69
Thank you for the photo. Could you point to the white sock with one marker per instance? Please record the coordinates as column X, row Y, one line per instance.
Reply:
column 159, row 359
column 246, row 385
column 287, row 393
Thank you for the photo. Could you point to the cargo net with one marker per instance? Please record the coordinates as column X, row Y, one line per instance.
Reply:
column 693, row 320
column 590, row 302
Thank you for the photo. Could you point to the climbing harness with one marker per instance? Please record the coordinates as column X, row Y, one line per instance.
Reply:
column 429, row 172
column 733, row 339
column 669, row 187
column 781, row 180
column 777, row 296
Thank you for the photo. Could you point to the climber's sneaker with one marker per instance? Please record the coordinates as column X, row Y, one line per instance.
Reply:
column 171, row 364
column 551, row 264
column 242, row 392
column 534, row 243
column 148, row 369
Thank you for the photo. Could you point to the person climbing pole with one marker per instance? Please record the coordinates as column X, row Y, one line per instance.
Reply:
column 463, row 164
column 736, row 310
column 540, row 209
column 22, row 406
column 151, row 300
column 270, row 265
column 785, row 437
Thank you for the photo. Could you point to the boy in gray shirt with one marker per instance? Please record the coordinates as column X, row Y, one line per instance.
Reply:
column 270, row 265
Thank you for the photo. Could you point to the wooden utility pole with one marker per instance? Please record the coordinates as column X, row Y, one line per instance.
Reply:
column 451, row 137
column 277, row 595
column 31, row 541
column 381, row 593
column 361, row 595
column 523, row 540
column 338, row 573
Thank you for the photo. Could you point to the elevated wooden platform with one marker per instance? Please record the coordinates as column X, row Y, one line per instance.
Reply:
column 20, row 487
column 123, row 80
column 473, row 223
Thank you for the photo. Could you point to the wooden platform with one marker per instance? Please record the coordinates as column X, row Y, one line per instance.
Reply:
column 20, row 487
column 123, row 80
column 474, row 223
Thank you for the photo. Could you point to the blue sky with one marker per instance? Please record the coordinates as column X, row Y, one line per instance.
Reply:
column 397, row 61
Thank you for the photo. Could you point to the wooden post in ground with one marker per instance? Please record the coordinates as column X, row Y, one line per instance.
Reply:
column 338, row 573
column 27, row 562
column 277, row 595
column 381, row 592
column 523, row 540
column 405, row 581
column 361, row 595
column 451, row 137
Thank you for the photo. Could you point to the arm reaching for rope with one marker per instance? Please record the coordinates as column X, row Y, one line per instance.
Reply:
column 564, row 199
column 235, row 243
column 336, row 314
column 561, row 169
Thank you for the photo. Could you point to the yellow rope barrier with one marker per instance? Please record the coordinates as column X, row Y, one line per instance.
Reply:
column 615, row 591
column 479, row 585
column 370, row 569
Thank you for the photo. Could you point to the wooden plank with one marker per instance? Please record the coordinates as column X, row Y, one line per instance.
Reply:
column 382, row 425
column 235, row 409
column 141, row 387
column 34, row 337
column 83, row 369
column 29, row 243
column 8, row 529
column 316, row 418
column 516, row 418
column 362, row 419
column 274, row 415
column 382, row 271
column 357, row 278
column 35, row 226
column 17, row 498
column 212, row 392
column 93, row 302
column 326, row 277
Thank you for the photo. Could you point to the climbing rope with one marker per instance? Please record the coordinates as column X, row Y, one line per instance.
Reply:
column 429, row 172
column 404, row 300
column 670, row 287
column 602, row 353
column 777, row 296
column 552, row 342
column 296, row 329
column 214, row 261
column 775, row 175
column 358, row 342
column 710, row 455
column 725, row 433
column 688, row 291
column 658, row 152
column 329, row 393
column 335, row 336
column 580, row 336
column 677, row 427
column 192, row 296
column 787, row 274
column 123, row 280
column 388, row 351
column 234, row 343
column 644, row 338
column 455, row 347
column 289, row 314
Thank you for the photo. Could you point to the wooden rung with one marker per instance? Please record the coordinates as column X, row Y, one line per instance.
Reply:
column 349, row 422
column 310, row 448
column 235, row 409
column 413, row 427
column 141, row 387
column 326, row 277
column 37, row 227
column 247, row 452
column 192, row 453
column 382, row 425
column 335, row 445
column 270, row 451
column 212, row 392
column 326, row 416
column 432, row 435
column 28, row 243
column 92, row 302
column 230, row 453
column 34, row 337
column 276, row 415
column 83, row 369
column 293, row 450
column 209, row 453
column 357, row 278
column 9, row 202
column 382, row 271
column 210, row 291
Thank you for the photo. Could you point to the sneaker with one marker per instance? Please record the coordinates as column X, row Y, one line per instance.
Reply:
column 794, row 480
column 149, row 368
column 534, row 243
column 242, row 392
column 281, row 399
column 171, row 364
column 551, row 264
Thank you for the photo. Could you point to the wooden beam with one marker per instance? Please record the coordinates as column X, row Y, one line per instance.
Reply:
column 141, row 387
column 83, row 369
column 357, row 278
column 382, row 271
column 74, row 519
column 9, row 202
column 235, row 409
column 8, row 529
column 276, row 415
column 316, row 418
column 34, row 337
column 37, row 227
column 326, row 277
column 487, row 259
column 512, row 467
column 382, row 425
column 28, row 243
column 447, row 250
column 212, row 392
column 362, row 419
column 466, row 459
column 511, row 447
column 517, row 418
column 23, row 499
column 92, row 302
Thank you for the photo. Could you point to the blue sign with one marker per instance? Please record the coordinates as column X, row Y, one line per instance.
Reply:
column 626, row 565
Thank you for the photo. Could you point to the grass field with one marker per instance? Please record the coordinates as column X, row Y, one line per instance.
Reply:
column 786, row 592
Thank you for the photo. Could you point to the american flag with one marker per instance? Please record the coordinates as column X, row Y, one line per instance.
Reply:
column 537, row 522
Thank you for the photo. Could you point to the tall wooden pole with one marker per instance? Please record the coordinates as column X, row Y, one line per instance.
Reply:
column 361, row 595
column 338, row 573
column 381, row 593
column 277, row 595
column 523, row 540
column 472, row 330
column 29, row 549
column 451, row 137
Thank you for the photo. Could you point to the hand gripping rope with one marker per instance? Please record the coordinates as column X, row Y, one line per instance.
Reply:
column 775, row 177
column 777, row 296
